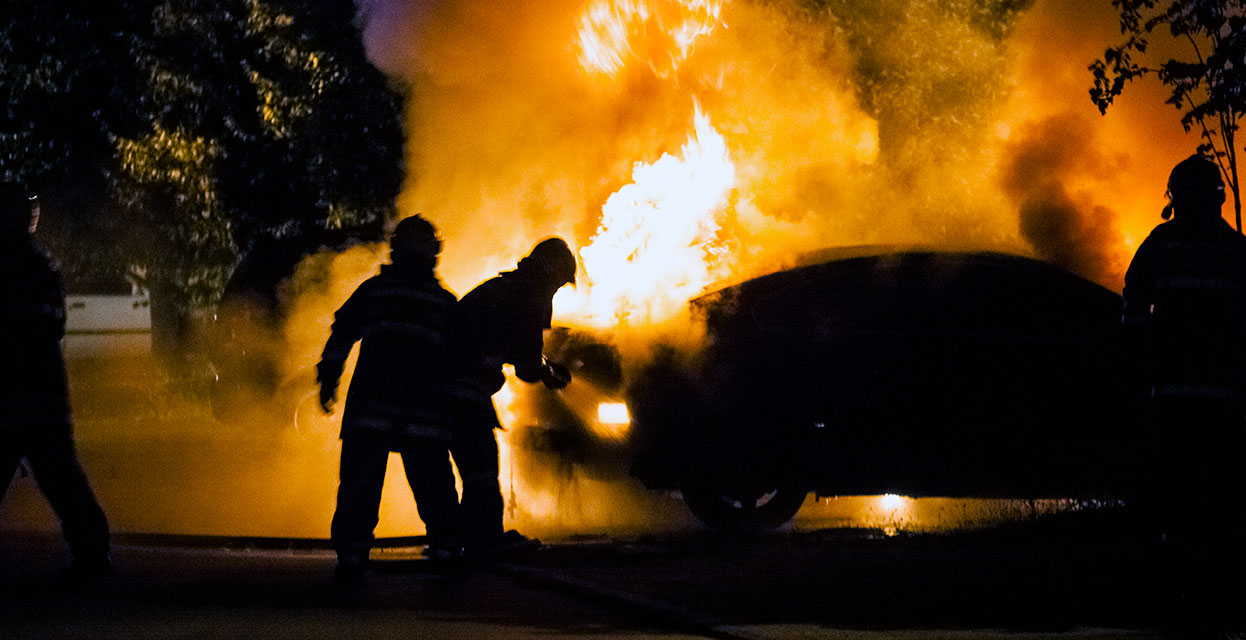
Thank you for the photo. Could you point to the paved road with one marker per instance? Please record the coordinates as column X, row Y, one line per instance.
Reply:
column 644, row 569
column 1048, row 579
column 164, row 591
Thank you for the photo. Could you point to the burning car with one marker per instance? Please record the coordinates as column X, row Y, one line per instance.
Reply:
column 876, row 371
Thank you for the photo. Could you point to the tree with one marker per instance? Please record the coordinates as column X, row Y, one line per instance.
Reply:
column 1207, row 87
column 170, row 136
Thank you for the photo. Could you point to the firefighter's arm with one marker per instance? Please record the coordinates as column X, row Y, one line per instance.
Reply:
column 531, row 364
column 555, row 376
column 529, row 370
column 37, row 310
column 1138, row 295
column 551, row 374
column 348, row 327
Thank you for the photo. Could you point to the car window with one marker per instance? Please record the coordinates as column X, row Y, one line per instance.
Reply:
column 1026, row 299
column 922, row 293
column 870, row 295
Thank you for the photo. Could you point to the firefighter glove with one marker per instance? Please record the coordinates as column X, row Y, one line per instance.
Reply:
column 326, row 397
column 555, row 376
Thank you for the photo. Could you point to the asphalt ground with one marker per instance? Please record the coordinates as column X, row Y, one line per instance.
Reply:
column 238, row 512
column 1085, row 575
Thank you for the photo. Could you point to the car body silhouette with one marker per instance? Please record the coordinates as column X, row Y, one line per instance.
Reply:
column 877, row 370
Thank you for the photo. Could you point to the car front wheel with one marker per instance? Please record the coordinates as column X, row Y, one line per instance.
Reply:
column 744, row 507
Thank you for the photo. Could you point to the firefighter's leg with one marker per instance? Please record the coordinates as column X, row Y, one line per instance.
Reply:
column 475, row 450
column 432, row 484
column 54, row 463
column 360, row 479
column 10, row 458
column 13, row 445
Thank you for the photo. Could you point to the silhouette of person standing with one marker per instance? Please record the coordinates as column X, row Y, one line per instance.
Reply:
column 507, row 316
column 35, row 421
column 1185, row 303
column 404, row 320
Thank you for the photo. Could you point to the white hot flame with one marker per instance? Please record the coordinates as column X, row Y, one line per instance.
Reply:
column 656, row 245
column 660, row 33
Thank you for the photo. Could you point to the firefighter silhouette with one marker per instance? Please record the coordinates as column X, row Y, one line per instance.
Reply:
column 35, row 421
column 403, row 319
column 507, row 316
column 1185, row 307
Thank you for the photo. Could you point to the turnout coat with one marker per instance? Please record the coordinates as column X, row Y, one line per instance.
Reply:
column 404, row 320
column 1185, row 298
column 32, row 319
column 505, row 318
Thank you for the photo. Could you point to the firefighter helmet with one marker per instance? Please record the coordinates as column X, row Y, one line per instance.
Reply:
column 1194, row 184
column 416, row 237
column 555, row 258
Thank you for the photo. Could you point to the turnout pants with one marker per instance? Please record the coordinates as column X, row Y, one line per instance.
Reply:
column 362, row 477
column 475, row 450
column 1196, row 490
column 54, row 462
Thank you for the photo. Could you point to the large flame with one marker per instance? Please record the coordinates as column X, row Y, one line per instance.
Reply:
column 887, row 122
column 659, row 32
column 657, row 242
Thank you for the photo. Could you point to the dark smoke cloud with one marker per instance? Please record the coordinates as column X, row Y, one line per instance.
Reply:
column 1062, row 222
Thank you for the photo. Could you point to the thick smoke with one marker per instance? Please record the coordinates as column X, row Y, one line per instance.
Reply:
column 848, row 124
column 1065, row 227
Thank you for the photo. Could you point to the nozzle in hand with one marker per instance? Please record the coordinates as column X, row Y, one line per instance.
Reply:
column 326, row 399
column 555, row 376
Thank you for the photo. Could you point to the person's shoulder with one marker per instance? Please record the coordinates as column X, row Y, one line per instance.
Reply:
column 487, row 289
column 1231, row 234
column 365, row 289
column 438, row 293
column 1165, row 230
column 26, row 255
column 371, row 283
column 441, row 290
column 1235, row 239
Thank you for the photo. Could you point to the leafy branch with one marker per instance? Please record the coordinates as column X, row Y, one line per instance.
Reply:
column 1207, row 88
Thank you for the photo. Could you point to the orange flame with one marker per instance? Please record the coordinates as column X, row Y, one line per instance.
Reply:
column 657, row 244
column 660, row 32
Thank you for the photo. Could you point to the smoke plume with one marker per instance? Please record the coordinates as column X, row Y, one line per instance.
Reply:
column 1063, row 226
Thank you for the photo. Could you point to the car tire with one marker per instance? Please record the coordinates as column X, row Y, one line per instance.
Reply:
column 752, row 509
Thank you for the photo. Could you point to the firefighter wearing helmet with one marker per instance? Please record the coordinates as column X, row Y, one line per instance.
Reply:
column 35, row 421
column 1185, row 291
column 403, row 319
column 1185, row 311
column 507, row 316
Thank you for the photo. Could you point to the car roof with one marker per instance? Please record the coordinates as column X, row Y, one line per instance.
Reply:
column 835, row 259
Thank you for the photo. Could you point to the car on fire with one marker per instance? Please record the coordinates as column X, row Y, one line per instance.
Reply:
column 883, row 371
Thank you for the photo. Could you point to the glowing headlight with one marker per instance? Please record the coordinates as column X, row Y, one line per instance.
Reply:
column 891, row 502
column 613, row 414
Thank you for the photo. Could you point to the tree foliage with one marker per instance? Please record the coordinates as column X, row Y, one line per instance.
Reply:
column 1207, row 88
column 166, row 137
